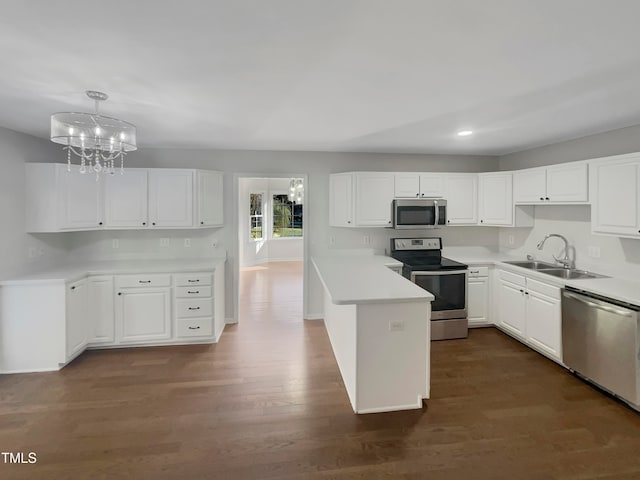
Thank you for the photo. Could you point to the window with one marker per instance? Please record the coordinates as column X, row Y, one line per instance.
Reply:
column 255, row 216
column 287, row 217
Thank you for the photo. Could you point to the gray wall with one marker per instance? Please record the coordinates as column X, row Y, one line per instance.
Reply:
column 614, row 142
column 20, row 252
column 317, row 166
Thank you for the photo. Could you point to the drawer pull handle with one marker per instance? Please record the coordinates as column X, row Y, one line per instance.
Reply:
column 194, row 328
column 193, row 281
column 474, row 271
column 194, row 308
column 194, row 292
column 144, row 281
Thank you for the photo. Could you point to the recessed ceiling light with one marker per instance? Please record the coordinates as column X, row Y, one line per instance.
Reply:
column 465, row 133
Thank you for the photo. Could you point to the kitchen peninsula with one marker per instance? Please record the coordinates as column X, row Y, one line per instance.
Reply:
column 378, row 324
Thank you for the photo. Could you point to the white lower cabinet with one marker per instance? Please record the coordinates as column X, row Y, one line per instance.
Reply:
column 478, row 296
column 77, row 318
column 194, row 305
column 143, row 314
column 530, row 311
column 101, row 303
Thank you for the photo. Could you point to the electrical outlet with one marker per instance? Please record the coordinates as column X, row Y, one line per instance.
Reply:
column 366, row 240
column 165, row 242
column 214, row 243
column 332, row 240
column 187, row 242
column 511, row 240
column 115, row 243
column 593, row 252
column 396, row 325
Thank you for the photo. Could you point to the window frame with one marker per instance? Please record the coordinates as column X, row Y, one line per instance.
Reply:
column 261, row 216
column 272, row 193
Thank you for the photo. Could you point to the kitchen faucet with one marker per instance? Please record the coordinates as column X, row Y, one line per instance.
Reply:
column 566, row 261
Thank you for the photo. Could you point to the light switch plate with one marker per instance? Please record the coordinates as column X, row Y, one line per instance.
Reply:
column 396, row 325
column 187, row 242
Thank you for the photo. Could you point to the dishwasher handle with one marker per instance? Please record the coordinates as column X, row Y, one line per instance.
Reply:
column 600, row 305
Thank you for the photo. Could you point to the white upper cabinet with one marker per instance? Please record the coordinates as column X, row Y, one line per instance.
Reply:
column 79, row 197
column 61, row 200
column 171, row 198
column 564, row 183
column 462, row 199
column 126, row 199
column 615, row 207
column 416, row 185
column 341, row 200
column 374, row 194
column 58, row 200
column 495, row 199
column 210, row 198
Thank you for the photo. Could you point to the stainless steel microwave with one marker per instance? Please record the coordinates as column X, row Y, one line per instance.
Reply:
column 419, row 213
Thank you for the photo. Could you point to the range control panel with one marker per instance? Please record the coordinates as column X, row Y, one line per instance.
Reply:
column 417, row 243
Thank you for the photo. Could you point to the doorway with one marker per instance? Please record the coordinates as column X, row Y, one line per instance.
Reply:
column 271, row 249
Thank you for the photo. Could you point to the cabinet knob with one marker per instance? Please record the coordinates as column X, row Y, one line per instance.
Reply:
column 99, row 223
column 201, row 223
column 526, row 293
column 541, row 198
column 119, row 293
column 389, row 221
column 481, row 221
column 547, row 198
column 422, row 194
column 73, row 288
column 153, row 223
column 144, row 223
column 348, row 221
column 448, row 221
column 521, row 291
column 417, row 194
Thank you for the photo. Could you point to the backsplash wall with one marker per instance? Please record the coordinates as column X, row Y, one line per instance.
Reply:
column 618, row 256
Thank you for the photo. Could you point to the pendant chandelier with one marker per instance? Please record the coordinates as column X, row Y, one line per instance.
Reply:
column 98, row 141
column 296, row 190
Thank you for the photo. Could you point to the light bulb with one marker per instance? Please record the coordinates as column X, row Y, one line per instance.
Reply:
column 122, row 136
column 98, row 131
column 71, row 130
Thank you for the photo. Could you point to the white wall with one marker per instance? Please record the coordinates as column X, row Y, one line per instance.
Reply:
column 21, row 252
column 617, row 256
column 251, row 251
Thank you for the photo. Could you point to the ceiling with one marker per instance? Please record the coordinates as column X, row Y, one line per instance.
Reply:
column 327, row 75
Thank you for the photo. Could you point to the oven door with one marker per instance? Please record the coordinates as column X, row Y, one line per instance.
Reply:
column 450, row 289
column 412, row 214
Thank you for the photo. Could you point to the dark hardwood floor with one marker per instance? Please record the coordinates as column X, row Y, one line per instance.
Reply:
column 267, row 402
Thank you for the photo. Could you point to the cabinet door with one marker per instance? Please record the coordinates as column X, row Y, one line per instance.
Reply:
column 79, row 199
column 143, row 314
column 101, row 303
column 407, row 185
column 511, row 308
column 171, row 198
column 568, row 183
column 374, row 194
column 544, row 327
column 530, row 186
column 210, row 199
column 126, row 199
column 478, row 301
column 431, row 185
column 341, row 200
column 462, row 199
column 616, row 203
column 496, row 199
column 77, row 317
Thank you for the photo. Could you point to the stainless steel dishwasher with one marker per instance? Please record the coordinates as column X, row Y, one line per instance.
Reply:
column 600, row 342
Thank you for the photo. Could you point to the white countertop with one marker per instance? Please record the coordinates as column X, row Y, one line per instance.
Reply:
column 622, row 289
column 365, row 279
column 71, row 272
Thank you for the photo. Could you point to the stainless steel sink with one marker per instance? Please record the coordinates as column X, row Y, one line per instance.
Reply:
column 531, row 264
column 568, row 273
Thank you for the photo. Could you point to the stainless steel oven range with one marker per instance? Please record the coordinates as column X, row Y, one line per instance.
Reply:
column 446, row 279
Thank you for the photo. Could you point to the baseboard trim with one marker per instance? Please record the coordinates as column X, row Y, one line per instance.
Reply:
column 268, row 260
column 230, row 321
column 314, row 316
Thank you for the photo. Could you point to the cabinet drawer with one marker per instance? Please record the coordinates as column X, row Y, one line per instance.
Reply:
column 512, row 277
column 543, row 288
column 189, row 279
column 478, row 272
column 193, row 292
column 197, row 307
column 195, row 327
column 131, row 281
